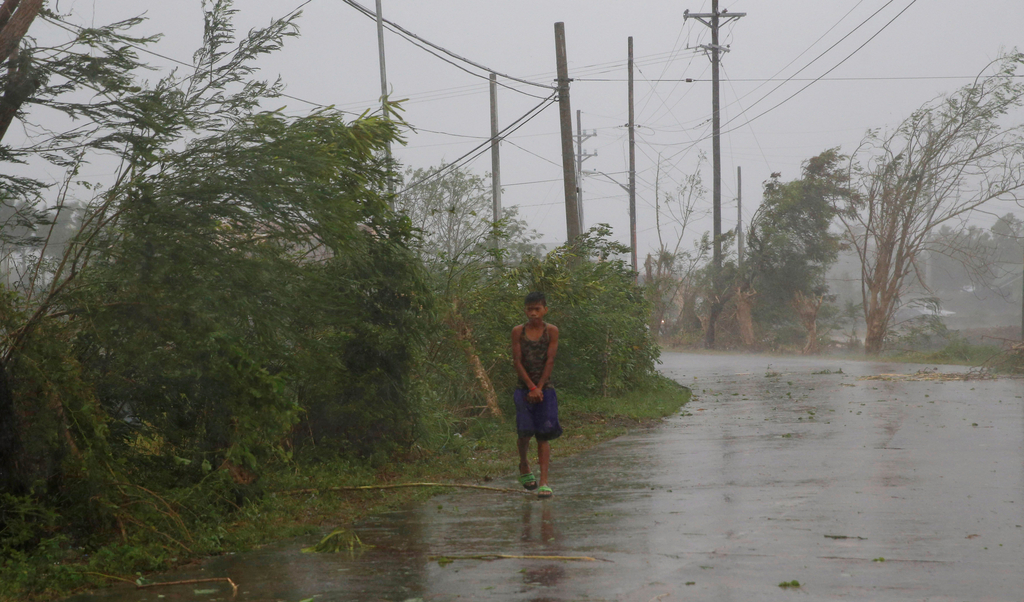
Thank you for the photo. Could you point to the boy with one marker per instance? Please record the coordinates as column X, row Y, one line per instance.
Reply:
column 534, row 345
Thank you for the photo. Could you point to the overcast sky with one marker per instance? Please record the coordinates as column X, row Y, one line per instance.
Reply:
column 932, row 48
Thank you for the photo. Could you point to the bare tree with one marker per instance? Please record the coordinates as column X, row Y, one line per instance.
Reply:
column 670, row 271
column 938, row 167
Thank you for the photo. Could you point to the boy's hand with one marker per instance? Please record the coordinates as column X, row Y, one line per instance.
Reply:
column 535, row 396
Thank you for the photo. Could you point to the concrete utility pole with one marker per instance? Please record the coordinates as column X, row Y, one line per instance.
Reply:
column 739, row 214
column 632, row 167
column 572, row 218
column 495, row 161
column 580, row 158
column 714, row 20
column 384, row 87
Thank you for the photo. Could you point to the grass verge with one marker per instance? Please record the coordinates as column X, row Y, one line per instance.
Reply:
column 483, row 452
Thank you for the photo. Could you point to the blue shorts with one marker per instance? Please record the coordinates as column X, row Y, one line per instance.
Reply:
column 539, row 419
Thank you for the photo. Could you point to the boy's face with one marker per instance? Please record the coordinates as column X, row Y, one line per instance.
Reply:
column 536, row 311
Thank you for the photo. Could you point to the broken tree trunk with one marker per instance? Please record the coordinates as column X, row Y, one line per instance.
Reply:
column 464, row 334
column 745, row 315
column 807, row 308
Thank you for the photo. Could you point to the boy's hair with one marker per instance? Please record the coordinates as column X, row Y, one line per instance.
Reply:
column 536, row 297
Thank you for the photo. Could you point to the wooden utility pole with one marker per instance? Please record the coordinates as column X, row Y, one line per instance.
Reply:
column 572, row 218
column 739, row 214
column 495, row 161
column 632, row 167
column 714, row 20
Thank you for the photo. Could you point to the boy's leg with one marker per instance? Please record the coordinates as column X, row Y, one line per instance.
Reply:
column 543, row 457
column 524, row 449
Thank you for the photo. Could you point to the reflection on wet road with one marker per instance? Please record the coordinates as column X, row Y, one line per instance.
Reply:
column 780, row 469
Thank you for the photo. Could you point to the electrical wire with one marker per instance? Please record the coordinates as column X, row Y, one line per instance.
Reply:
column 482, row 147
column 408, row 33
column 827, row 50
column 530, row 152
column 532, row 182
column 752, row 133
column 796, row 79
column 812, row 82
column 815, row 80
column 473, row 89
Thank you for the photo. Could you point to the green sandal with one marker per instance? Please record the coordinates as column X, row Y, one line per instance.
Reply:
column 544, row 491
column 528, row 481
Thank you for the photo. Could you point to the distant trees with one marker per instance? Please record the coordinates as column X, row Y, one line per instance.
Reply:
column 940, row 165
column 671, row 272
column 790, row 247
column 451, row 209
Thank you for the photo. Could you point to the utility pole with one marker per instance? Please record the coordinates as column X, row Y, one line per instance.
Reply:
column 714, row 20
column 572, row 219
column 495, row 161
column 632, row 167
column 739, row 214
column 384, row 91
column 580, row 157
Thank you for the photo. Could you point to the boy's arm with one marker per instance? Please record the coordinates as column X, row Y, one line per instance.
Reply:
column 552, row 351
column 517, row 357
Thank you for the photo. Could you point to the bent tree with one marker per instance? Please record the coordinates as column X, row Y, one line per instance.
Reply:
column 937, row 168
column 791, row 248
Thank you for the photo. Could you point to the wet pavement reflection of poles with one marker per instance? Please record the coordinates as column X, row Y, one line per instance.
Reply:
column 781, row 471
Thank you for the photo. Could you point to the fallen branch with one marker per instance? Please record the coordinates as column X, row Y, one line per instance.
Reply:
column 398, row 486
column 510, row 556
column 106, row 576
column 234, row 588
column 923, row 375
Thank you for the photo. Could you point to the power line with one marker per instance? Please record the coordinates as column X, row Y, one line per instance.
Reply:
column 408, row 33
column 795, row 79
column 812, row 82
column 470, row 89
column 820, row 38
column 483, row 147
column 824, row 52
column 559, row 165
column 752, row 133
column 534, row 182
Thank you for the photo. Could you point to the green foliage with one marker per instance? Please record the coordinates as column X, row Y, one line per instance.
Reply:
column 927, row 339
column 242, row 273
column 790, row 246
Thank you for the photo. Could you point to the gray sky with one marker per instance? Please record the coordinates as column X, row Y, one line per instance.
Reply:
column 923, row 53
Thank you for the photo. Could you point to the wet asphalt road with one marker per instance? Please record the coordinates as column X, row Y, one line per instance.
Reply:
column 857, row 489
